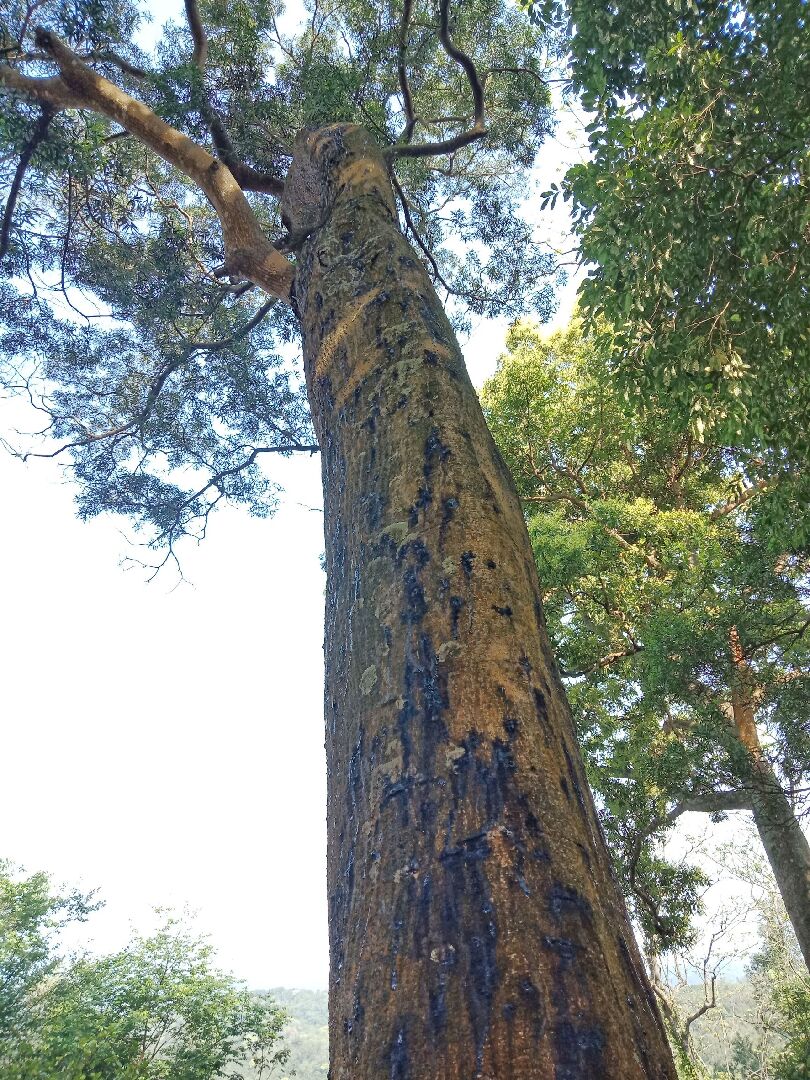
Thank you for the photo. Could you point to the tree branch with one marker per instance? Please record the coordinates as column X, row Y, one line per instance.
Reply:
column 248, row 178
column 248, row 252
column 711, row 802
column 402, row 72
column 406, row 211
column 742, row 498
column 37, row 136
column 708, row 803
column 53, row 91
column 605, row 661
column 200, row 54
column 106, row 56
column 478, row 130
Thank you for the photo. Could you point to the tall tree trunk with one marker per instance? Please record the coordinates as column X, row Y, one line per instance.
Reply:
column 779, row 829
column 476, row 929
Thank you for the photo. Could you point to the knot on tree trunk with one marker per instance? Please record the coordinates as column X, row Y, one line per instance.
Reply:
column 330, row 163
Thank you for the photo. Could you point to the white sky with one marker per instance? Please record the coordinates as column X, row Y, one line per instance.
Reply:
column 167, row 746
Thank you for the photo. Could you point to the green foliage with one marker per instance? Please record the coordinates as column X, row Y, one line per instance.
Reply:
column 30, row 920
column 156, row 1010
column 648, row 561
column 783, row 986
column 307, row 1033
column 693, row 215
column 171, row 404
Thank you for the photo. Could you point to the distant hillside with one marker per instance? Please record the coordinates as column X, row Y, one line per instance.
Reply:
column 735, row 1017
column 307, row 1034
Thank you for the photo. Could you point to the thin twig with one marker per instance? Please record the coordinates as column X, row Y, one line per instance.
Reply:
column 406, row 211
column 39, row 133
column 248, row 178
column 478, row 130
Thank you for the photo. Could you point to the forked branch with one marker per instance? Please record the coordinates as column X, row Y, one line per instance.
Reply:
column 444, row 146
column 248, row 178
column 37, row 136
column 248, row 252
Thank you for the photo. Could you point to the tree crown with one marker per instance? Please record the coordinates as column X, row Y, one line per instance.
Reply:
column 161, row 373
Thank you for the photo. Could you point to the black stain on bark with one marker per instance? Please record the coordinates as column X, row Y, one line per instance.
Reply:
column 449, row 507
column 579, row 1051
column 565, row 950
column 563, row 901
column 541, row 710
column 398, row 1057
column 574, row 779
column 435, row 453
column 469, row 919
column 421, row 502
column 414, row 606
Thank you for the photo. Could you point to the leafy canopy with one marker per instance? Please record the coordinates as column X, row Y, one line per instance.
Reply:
column 165, row 385
column 694, row 217
column 156, row 1010
column 648, row 565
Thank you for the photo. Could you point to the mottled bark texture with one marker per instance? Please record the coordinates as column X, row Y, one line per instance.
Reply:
column 475, row 926
column 779, row 829
column 786, row 847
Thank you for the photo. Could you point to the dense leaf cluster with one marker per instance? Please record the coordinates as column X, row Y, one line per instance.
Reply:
column 156, row 1010
column 648, row 567
column 694, row 217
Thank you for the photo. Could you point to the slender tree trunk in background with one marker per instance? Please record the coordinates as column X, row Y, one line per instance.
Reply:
column 779, row 829
column 475, row 926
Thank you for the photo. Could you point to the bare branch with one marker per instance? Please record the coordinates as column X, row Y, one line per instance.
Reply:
column 200, row 54
column 108, row 57
column 406, row 211
column 402, row 72
column 514, row 71
column 53, row 91
column 247, row 250
column 37, row 136
column 605, row 661
column 712, row 802
column 249, row 179
column 708, row 802
column 243, row 331
column 478, row 130
column 744, row 497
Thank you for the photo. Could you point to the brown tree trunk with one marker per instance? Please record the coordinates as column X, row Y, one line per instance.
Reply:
column 475, row 926
column 779, row 829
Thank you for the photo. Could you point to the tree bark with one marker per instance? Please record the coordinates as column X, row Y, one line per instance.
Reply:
column 476, row 929
column 779, row 829
column 786, row 848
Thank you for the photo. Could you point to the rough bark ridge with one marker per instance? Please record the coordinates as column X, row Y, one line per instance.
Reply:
column 475, row 927
column 779, row 829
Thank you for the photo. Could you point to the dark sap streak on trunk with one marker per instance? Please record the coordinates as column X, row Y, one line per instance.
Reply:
column 475, row 927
